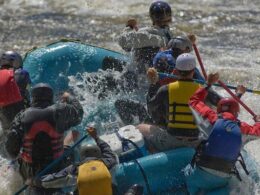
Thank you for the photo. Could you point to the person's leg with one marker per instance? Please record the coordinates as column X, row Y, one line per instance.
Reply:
column 200, row 181
column 158, row 139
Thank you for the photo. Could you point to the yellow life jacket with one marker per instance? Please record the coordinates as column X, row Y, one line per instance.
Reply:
column 94, row 179
column 180, row 119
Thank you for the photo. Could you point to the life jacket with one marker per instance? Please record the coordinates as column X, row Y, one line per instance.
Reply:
column 94, row 178
column 222, row 149
column 44, row 139
column 180, row 119
column 9, row 90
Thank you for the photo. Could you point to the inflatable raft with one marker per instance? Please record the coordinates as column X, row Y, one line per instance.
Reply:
column 160, row 173
column 55, row 62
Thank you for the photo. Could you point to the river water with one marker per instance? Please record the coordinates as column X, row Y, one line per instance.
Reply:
column 227, row 35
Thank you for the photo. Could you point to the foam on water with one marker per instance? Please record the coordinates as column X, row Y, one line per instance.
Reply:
column 227, row 39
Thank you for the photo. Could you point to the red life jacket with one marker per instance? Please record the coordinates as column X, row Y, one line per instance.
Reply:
column 42, row 127
column 9, row 90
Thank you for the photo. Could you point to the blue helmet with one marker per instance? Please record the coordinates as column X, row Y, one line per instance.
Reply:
column 164, row 61
column 11, row 59
column 160, row 11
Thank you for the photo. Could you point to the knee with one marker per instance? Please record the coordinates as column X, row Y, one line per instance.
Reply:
column 144, row 129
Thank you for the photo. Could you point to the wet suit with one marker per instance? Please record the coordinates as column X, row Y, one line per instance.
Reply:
column 67, row 177
column 37, row 133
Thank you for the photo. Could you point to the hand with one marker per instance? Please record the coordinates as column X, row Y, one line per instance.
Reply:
column 92, row 132
column 240, row 89
column 213, row 78
column 192, row 38
column 152, row 75
column 65, row 96
column 132, row 23
column 257, row 118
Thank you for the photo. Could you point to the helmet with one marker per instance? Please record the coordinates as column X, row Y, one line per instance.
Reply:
column 88, row 150
column 185, row 62
column 12, row 59
column 42, row 92
column 228, row 105
column 160, row 11
column 180, row 42
column 164, row 62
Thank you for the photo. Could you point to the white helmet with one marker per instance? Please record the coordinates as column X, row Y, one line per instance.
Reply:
column 12, row 59
column 185, row 62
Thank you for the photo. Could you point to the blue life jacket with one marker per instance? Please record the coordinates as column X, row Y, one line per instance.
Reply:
column 225, row 140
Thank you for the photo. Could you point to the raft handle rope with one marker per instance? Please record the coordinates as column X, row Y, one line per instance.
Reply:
column 144, row 176
column 125, row 142
column 125, row 146
column 53, row 163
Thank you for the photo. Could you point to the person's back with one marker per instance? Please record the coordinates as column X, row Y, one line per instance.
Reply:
column 94, row 168
column 14, row 94
column 174, row 124
column 147, row 41
column 37, row 132
column 221, row 132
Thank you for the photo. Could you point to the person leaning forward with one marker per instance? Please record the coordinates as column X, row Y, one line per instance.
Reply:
column 90, row 176
column 174, row 125
column 37, row 133
column 146, row 42
column 215, row 158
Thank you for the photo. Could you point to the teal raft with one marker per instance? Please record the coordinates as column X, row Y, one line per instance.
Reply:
column 160, row 173
column 55, row 62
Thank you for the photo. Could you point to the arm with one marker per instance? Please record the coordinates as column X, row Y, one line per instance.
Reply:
column 157, row 105
column 14, row 138
column 108, row 157
column 251, row 130
column 130, row 39
column 67, row 177
column 69, row 112
column 197, row 102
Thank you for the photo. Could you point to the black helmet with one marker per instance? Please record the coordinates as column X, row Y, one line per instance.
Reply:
column 42, row 92
column 180, row 42
column 11, row 59
column 160, row 11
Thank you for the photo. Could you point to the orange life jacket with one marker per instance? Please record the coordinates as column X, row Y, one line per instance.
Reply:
column 30, row 136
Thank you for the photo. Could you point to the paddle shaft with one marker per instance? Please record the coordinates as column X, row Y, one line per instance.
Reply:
column 53, row 163
column 221, row 83
column 204, row 82
column 200, row 61
column 236, row 98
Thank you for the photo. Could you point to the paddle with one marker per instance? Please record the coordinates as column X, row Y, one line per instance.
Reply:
column 220, row 82
column 163, row 75
column 55, row 162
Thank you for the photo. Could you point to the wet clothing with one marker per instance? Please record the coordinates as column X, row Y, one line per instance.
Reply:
column 159, row 104
column 171, row 114
column 11, row 101
column 161, row 140
column 68, row 176
column 158, row 64
column 23, row 81
column 216, row 156
column 199, row 181
column 197, row 103
column 38, row 131
column 144, row 44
